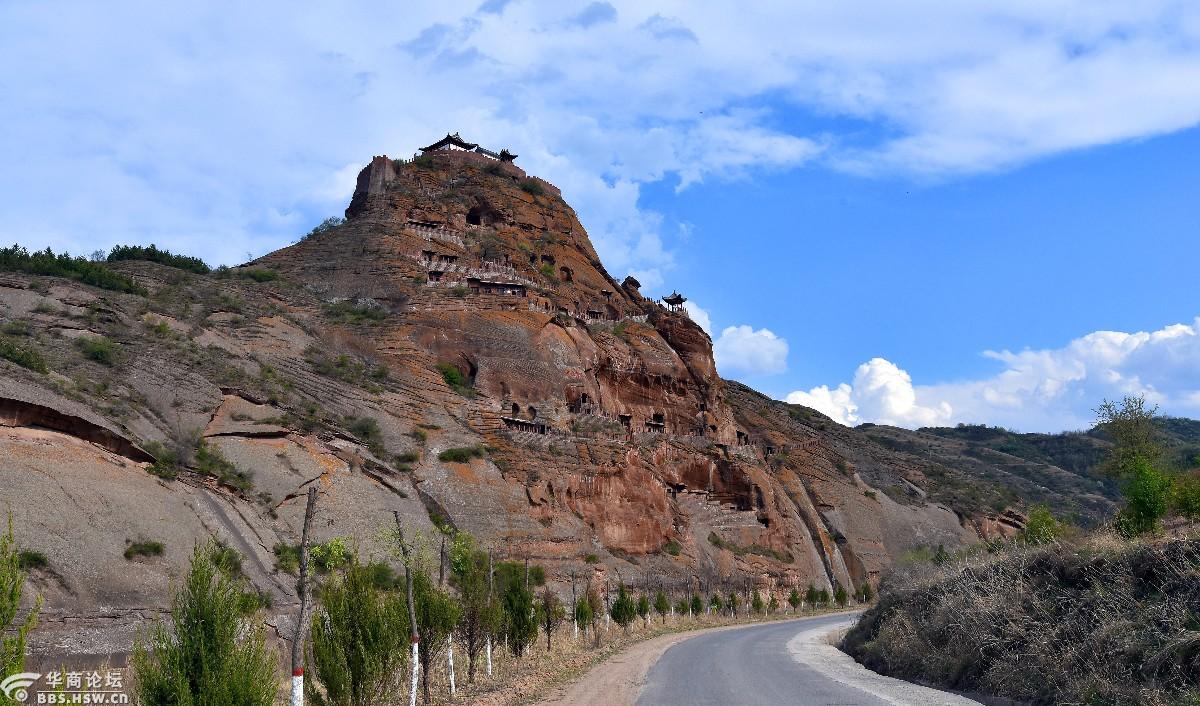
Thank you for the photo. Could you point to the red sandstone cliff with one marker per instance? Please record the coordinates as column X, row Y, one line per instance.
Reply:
column 612, row 445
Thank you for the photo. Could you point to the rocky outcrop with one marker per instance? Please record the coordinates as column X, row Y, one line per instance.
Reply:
column 460, row 307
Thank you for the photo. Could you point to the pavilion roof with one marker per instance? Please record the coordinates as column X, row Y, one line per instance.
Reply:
column 451, row 139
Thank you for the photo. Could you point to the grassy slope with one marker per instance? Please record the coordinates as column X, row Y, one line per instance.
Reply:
column 1099, row 621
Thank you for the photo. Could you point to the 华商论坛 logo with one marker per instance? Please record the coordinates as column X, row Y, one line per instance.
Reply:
column 16, row 687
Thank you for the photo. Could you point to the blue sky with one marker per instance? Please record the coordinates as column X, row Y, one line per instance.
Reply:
column 919, row 214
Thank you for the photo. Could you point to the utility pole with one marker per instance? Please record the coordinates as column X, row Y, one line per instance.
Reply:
column 305, row 604
column 412, row 610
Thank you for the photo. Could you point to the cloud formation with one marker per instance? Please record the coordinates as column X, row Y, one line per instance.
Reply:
column 743, row 350
column 221, row 131
column 1037, row 390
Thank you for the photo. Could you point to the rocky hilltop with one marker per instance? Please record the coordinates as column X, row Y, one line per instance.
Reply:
column 454, row 350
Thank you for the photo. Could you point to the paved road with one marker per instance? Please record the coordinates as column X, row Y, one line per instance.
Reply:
column 757, row 665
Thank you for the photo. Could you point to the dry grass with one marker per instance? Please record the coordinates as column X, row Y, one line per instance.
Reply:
column 1097, row 621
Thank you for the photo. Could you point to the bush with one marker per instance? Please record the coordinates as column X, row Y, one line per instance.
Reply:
column 97, row 348
column 162, row 257
column 623, row 610
column 1041, row 528
column 136, row 549
column 532, row 186
column 359, row 642
column 456, row 380
column 1101, row 621
column 1185, row 497
column 18, row 259
column 12, row 584
column 207, row 653
column 462, row 454
column 31, row 559
column 1147, row 490
column 25, row 356
column 591, row 559
column 325, row 226
column 259, row 274
column 673, row 547
column 347, row 312
column 210, row 462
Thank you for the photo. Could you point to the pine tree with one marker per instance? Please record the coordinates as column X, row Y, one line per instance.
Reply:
column 662, row 605
column 794, row 599
column 359, row 641
column 12, row 584
column 643, row 608
column 811, row 596
column 208, row 653
column 520, row 625
column 697, row 604
column 624, row 610
column 756, row 603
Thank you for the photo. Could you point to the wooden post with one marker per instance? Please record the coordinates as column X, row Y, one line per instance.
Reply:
column 412, row 611
column 574, row 614
column 489, row 637
column 305, row 604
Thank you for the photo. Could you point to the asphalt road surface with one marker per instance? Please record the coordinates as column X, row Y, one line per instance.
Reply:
column 777, row 663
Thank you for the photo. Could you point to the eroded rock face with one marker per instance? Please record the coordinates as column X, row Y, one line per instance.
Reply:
column 462, row 305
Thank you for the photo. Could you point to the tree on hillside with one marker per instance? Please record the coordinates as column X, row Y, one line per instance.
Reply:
column 550, row 613
column 208, row 652
column 756, row 603
column 481, row 615
column 12, row 584
column 359, row 641
column 623, row 610
column 840, row 596
column 773, row 604
column 697, row 604
column 437, row 614
column 1136, row 459
column 662, row 605
column 643, row 608
column 520, row 624
column 583, row 612
column 1041, row 527
column 794, row 599
column 811, row 596
column 731, row 605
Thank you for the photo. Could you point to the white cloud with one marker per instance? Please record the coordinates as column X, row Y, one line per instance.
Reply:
column 220, row 132
column 745, row 350
column 698, row 315
column 1038, row 390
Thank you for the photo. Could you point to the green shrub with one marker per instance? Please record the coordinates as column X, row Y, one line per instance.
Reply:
column 18, row 259
column 547, row 271
column 17, row 327
column 287, row 557
column 329, row 224
column 13, row 634
column 623, row 609
column 162, row 257
column 459, row 291
column 673, row 548
column 456, row 380
column 1185, row 496
column 136, row 549
column 1147, row 491
column 25, row 356
column 259, row 274
column 207, row 653
column 591, row 559
column 97, row 348
column 329, row 556
column 1041, row 528
column 210, row 462
column 359, row 642
column 31, row 559
column 348, row 312
column 462, row 454
column 532, row 186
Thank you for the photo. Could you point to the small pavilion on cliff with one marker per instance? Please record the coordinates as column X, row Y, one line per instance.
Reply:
column 674, row 301
column 452, row 142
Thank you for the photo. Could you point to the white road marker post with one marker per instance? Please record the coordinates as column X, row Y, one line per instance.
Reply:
column 305, row 604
